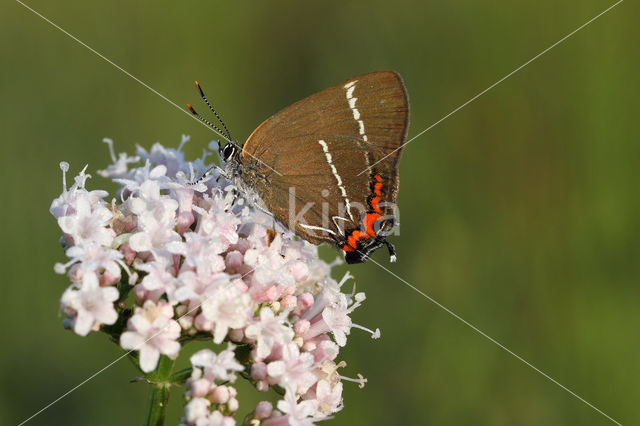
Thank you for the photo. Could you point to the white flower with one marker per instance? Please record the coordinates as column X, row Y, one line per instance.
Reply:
column 201, row 253
column 226, row 308
column 65, row 203
column 217, row 366
column 299, row 413
column 200, row 261
column 268, row 264
column 335, row 318
column 159, row 276
column 219, row 223
column 328, row 399
column 172, row 159
column 132, row 183
column 294, row 370
column 152, row 332
column 88, row 222
column 193, row 289
column 120, row 166
column 90, row 305
column 216, row 418
column 196, row 409
column 156, row 219
column 269, row 331
column 94, row 257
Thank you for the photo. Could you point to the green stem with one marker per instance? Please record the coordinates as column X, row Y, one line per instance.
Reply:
column 159, row 395
column 158, row 400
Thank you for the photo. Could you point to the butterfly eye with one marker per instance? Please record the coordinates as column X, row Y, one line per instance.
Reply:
column 228, row 151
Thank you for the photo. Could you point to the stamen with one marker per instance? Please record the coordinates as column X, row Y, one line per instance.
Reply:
column 185, row 139
column 360, row 380
column 64, row 166
column 344, row 279
column 374, row 334
column 61, row 268
column 111, row 151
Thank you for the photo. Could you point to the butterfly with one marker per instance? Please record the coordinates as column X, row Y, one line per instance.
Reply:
column 326, row 167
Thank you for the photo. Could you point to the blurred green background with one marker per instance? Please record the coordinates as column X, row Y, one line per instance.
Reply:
column 520, row 212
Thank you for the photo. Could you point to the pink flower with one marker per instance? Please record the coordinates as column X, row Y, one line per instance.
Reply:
column 152, row 332
column 120, row 166
column 159, row 276
column 263, row 410
column 196, row 410
column 299, row 413
column 216, row 418
column 65, row 204
column 156, row 218
column 92, row 257
column 217, row 366
column 218, row 223
column 268, row 331
column 200, row 253
column 89, row 221
column 328, row 398
column 226, row 308
column 90, row 305
column 201, row 263
column 335, row 319
column 193, row 289
column 294, row 370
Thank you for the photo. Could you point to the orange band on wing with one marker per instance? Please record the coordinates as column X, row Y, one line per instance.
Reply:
column 377, row 188
column 355, row 236
column 368, row 221
column 374, row 204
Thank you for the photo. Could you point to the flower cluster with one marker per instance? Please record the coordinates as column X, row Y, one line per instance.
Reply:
column 176, row 257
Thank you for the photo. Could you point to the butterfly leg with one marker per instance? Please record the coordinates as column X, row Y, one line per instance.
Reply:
column 392, row 252
column 208, row 173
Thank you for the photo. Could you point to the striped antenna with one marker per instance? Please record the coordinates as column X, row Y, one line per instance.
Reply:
column 207, row 122
column 213, row 110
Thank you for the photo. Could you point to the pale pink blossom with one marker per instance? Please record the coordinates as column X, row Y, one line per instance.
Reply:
column 120, row 166
column 90, row 305
column 328, row 398
column 201, row 253
column 298, row 413
column 226, row 308
column 336, row 319
column 268, row 331
column 294, row 370
column 217, row 366
column 152, row 332
column 89, row 221
column 196, row 409
column 156, row 218
column 219, row 223
column 201, row 264
column 193, row 289
column 216, row 418
column 160, row 276
column 65, row 204
column 263, row 410
column 92, row 257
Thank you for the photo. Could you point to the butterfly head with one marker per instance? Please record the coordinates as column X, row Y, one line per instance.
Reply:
column 229, row 152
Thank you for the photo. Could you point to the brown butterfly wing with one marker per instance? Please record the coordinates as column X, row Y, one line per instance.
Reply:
column 322, row 149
